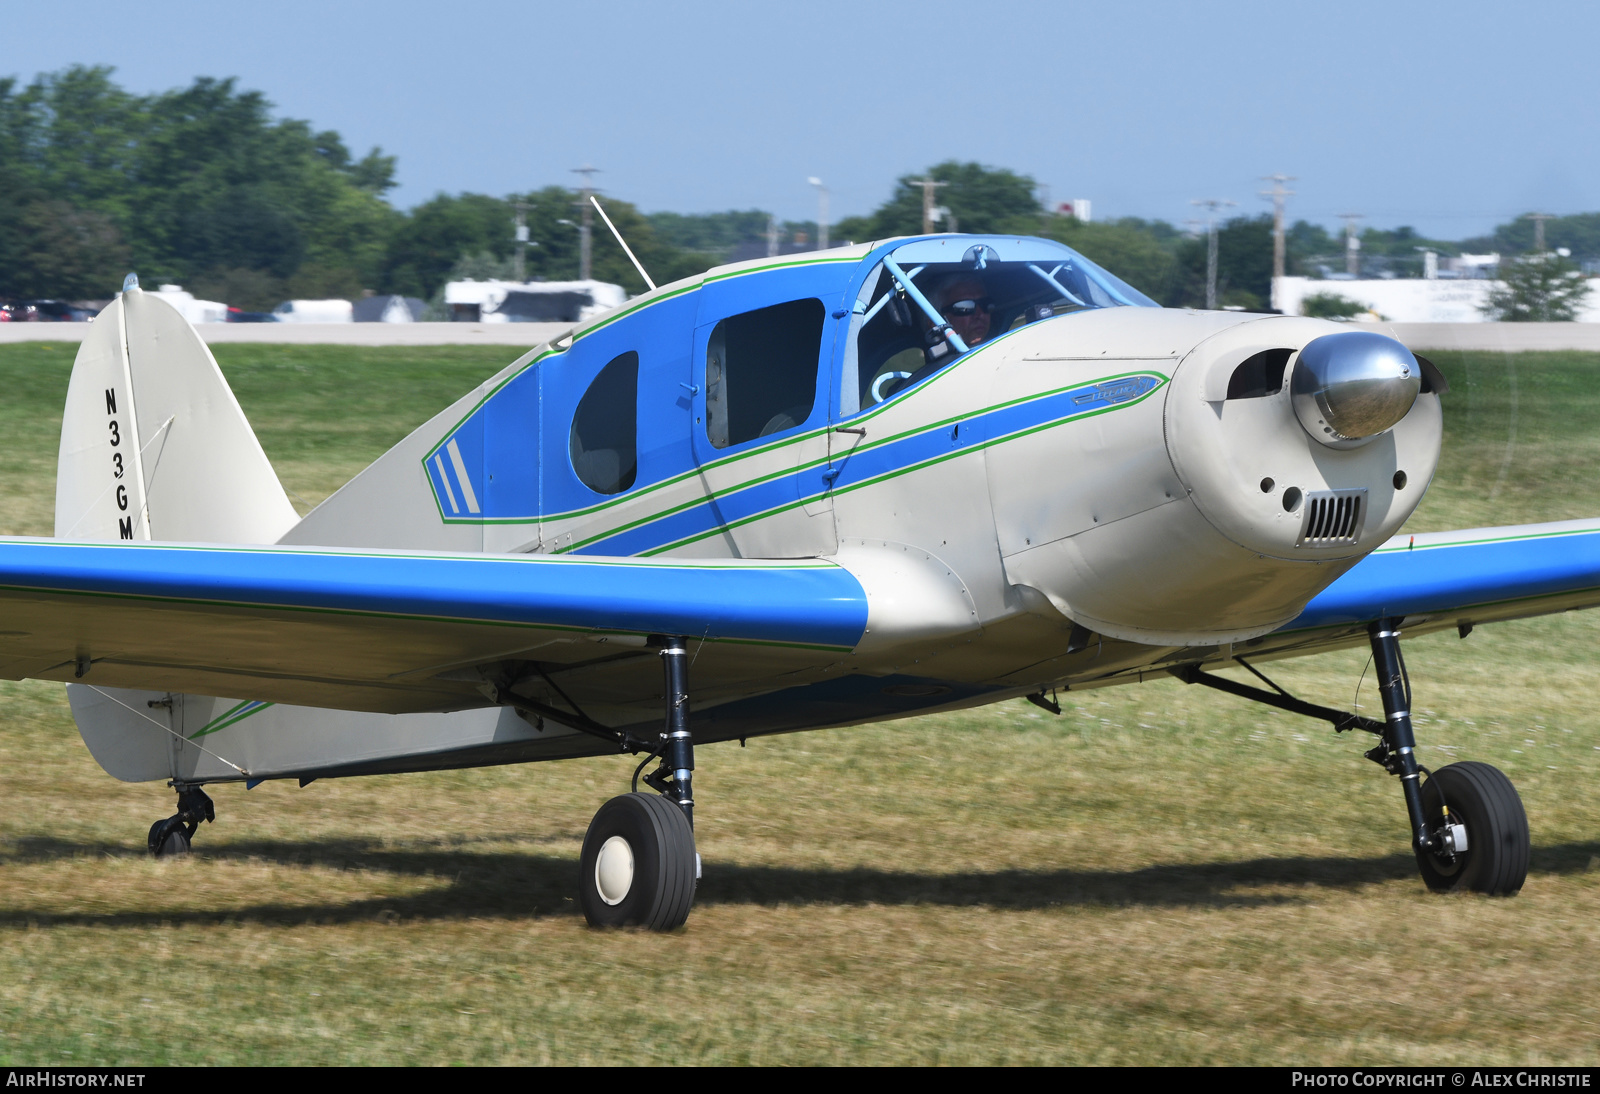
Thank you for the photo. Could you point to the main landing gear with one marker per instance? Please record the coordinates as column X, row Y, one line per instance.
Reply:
column 1468, row 827
column 172, row 837
column 639, row 866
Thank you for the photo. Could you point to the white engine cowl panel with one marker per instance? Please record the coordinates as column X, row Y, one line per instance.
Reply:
column 1195, row 547
column 1252, row 468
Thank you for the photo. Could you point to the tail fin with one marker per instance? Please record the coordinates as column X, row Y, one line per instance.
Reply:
column 153, row 443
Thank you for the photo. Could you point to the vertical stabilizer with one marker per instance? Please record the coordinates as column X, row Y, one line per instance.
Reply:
column 153, row 443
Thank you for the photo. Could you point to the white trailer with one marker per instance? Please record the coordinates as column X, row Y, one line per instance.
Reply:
column 315, row 311
column 530, row 301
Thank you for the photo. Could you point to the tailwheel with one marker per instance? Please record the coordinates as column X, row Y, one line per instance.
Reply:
column 173, row 837
column 1483, row 841
column 638, row 866
column 166, row 841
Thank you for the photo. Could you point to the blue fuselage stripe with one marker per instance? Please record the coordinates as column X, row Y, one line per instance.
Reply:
column 1448, row 577
column 811, row 604
column 872, row 462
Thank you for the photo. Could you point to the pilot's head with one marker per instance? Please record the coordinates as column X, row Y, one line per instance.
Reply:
column 965, row 305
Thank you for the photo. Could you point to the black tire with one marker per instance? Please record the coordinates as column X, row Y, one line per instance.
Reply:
column 168, row 845
column 1482, row 798
column 660, row 890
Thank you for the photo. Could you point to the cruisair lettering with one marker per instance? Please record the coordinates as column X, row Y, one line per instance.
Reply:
column 1115, row 391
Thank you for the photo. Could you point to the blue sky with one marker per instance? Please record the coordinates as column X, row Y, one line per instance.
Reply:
column 1448, row 116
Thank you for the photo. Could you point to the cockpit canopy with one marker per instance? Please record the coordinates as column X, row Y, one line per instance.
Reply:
column 930, row 301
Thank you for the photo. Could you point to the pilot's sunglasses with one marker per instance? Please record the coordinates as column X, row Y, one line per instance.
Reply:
column 963, row 308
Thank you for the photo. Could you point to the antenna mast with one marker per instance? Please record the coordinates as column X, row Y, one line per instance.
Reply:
column 627, row 250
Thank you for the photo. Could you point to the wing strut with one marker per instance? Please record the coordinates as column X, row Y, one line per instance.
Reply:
column 1340, row 720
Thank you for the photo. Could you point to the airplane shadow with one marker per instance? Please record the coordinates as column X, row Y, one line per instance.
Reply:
column 521, row 885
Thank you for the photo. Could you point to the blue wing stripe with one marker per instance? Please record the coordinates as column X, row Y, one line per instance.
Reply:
column 1453, row 571
column 808, row 603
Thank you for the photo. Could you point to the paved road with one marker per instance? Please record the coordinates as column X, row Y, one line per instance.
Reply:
column 526, row 335
column 1505, row 337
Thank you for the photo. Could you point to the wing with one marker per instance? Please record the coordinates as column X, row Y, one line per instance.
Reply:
column 400, row 632
column 1457, row 579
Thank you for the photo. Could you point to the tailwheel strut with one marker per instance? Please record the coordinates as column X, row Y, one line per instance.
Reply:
column 1468, row 828
column 639, row 867
column 174, row 835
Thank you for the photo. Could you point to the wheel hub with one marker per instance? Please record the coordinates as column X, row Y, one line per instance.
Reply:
column 613, row 870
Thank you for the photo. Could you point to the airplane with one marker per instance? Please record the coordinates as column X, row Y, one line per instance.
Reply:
column 882, row 480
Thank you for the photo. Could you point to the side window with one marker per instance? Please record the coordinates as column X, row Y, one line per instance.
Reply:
column 761, row 371
column 605, row 433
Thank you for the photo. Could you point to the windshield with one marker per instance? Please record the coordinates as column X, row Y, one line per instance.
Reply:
column 932, row 301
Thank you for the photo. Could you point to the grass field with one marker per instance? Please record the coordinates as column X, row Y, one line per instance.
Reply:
column 1161, row 875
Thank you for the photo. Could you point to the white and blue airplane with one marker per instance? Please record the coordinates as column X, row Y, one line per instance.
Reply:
column 860, row 484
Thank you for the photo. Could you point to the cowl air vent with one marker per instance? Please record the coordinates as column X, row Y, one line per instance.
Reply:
column 1333, row 518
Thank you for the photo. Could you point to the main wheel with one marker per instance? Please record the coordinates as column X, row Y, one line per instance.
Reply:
column 1483, row 799
column 638, row 865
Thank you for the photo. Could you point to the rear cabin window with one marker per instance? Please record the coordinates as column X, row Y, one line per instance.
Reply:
column 605, row 433
column 761, row 371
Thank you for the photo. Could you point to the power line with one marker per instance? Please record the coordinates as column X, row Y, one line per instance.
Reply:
column 1211, row 205
column 1538, row 229
column 1277, row 194
column 928, row 188
column 585, row 233
column 1352, row 242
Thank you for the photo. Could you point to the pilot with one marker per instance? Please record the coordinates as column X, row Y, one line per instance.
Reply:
column 963, row 301
column 965, row 305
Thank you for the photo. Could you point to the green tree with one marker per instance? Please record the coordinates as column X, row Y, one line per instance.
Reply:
column 199, row 183
column 1537, row 288
column 1244, row 267
column 56, row 250
column 1127, row 248
column 1330, row 305
column 1579, row 233
column 981, row 199
column 711, row 233
column 428, row 243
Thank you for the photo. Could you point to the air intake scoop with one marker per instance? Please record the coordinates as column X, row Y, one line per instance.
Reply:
column 1349, row 387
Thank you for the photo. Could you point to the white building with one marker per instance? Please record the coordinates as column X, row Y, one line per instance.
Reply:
column 530, row 301
column 1406, row 300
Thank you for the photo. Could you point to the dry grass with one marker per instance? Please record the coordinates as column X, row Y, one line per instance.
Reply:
column 1159, row 876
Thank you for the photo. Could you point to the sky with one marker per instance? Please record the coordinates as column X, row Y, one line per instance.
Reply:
column 1450, row 117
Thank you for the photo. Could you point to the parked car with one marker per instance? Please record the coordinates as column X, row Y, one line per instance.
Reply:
column 239, row 315
column 44, row 311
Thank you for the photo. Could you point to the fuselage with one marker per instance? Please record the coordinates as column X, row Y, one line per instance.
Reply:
column 1092, row 465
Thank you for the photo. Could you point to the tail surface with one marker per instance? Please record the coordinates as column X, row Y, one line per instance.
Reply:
column 153, row 443
column 154, row 446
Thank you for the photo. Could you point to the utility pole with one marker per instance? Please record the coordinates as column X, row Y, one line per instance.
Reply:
column 928, row 188
column 521, row 257
column 1279, row 248
column 1211, row 205
column 822, row 213
column 1352, row 243
column 585, row 236
column 1538, row 229
column 772, row 235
